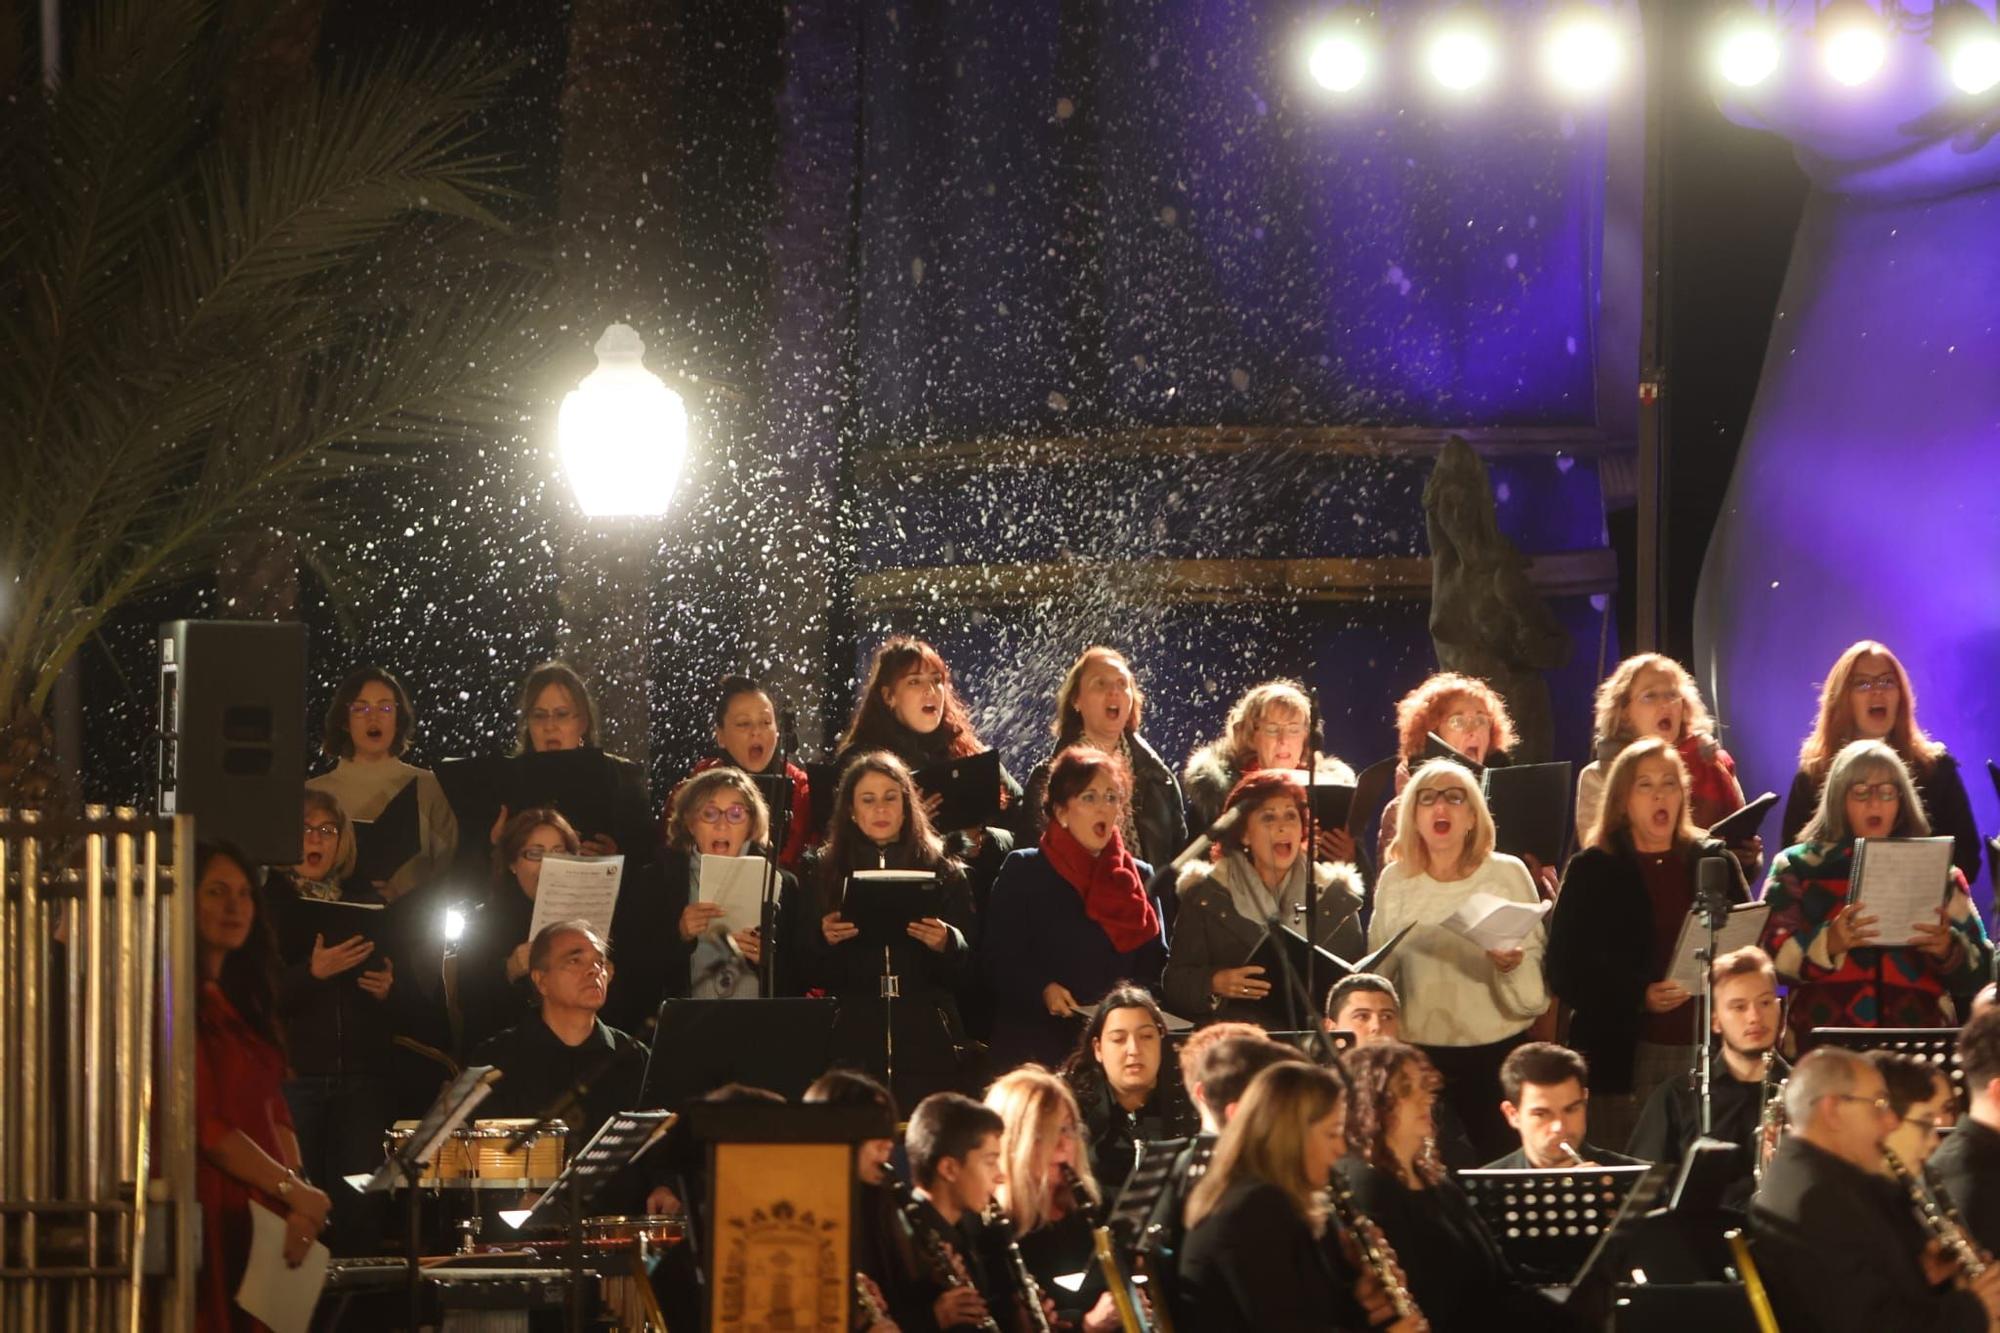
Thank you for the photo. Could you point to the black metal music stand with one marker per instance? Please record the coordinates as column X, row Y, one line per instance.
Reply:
column 1938, row 1046
column 616, row 1144
column 1548, row 1222
column 405, row 1167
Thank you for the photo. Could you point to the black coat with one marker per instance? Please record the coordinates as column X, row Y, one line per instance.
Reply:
column 1157, row 812
column 332, row 1027
column 1945, row 802
column 1670, row 1122
column 1254, row 1266
column 1967, row 1168
column 1113, row 1134
column 1601, row 953
column 1833, row 1245
column 488, row 1003
column 927, row 1026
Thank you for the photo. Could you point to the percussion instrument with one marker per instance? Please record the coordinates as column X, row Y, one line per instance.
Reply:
column 482, row 1156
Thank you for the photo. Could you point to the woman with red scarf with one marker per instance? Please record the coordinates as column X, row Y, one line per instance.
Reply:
column 1070, row 919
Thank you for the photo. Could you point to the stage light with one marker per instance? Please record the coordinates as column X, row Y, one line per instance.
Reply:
column 1339, row 58
column 1460, row 54
column 1747, row 51
column 1581, row 53
column 1852, row 42
column 622, row 433
column 454, row 925
column 1970, row 43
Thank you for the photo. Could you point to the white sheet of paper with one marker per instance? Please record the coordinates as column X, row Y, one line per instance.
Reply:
column 1495, row 923
column 577, row 888
column 281, row 1296
column 1901, row 881
column 1743, row 926
column 736, row 885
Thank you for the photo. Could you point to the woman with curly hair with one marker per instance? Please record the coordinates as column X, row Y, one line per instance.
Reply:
column 1266, row 730
column 1453, row 1266
column 1868, row 697
column 1651, row 696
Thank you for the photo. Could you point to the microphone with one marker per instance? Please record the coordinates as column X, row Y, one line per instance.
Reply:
column 1713, row 882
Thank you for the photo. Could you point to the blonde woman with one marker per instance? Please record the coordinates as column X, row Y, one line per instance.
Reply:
column 1651, row 697
column 1465, row 713
column 1467, row 1007
column 1266, row 729
column 1047, row 1188
column 1868, row 697
column 1613, row 932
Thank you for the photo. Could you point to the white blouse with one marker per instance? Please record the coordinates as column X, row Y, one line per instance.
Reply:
column 1452, row 993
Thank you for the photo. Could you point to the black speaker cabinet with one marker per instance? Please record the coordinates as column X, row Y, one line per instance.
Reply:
column 233, row 732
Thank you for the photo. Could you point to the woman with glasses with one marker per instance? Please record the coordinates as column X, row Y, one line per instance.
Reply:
column 1227, row 905
column 1266, row 729
column 674, row 943
column 1070, row 918
column 556, row 712
column 1651, row 697
column 1827, row 951
column 1868, row 697
column 491, row 990
column 1923, row 1101
column 1466, row 1005
column 368, row 729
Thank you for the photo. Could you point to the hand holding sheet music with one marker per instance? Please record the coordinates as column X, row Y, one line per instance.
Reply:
column 736, row 885
column 1902, row 882
column 1496, row 924
column 577, row 888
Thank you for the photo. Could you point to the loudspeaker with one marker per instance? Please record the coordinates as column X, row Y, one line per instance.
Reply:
column 233, row 732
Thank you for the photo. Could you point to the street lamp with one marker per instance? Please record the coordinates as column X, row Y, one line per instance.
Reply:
column 622, row 433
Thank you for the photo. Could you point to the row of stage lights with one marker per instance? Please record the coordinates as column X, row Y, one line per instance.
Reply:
column 1583, row 51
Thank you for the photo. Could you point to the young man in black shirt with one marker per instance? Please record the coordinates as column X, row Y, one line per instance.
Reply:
column 953, row 1144
column 1545, row 1095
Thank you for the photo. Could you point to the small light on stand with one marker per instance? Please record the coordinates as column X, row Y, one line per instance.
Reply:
column 454, row 925
column 622, row 433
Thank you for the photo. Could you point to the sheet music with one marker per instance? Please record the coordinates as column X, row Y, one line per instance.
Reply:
column 274, row 1292
column 1495, row 923
column 735, row 884
column 1901, row 881
column 1743, row 926
column 577, row 888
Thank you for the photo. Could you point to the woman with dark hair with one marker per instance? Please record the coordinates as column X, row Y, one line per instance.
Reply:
column 1825, row 949
column 490, row 989
column 1613, row 933
column 1071, row 918
column 1266, row 730
column 556, row 712
column 879, row 824
column 1452, row 1265
column 248, row 1151
column 368, row 729
column 1100, row 704
column 1227, row 905
column 746, row 737
column 1115, row 1073
column 1868, row 697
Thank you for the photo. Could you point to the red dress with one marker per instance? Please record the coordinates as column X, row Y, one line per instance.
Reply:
column 239, row 1085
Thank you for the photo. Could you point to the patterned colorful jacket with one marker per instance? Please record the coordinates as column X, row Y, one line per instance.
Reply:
column 1866, row 987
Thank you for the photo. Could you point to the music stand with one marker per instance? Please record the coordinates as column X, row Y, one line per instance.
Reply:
column 616, row 1145
column 406, row 1165
column 700, row 1045
column 1937, row 1046
column 1593, row 1285
column 1548, row 1222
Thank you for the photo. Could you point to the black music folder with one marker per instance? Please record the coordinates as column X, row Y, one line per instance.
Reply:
column 1530, row 805
column 1329, row 966
column 883, row 902
column 383, row 845
column 1742, row 825
column 970, row 787
column 582, row 784
column 1331, row 802
column 335, row 922
column 1436, row 747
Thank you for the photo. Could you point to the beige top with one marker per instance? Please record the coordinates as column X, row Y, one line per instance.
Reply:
column 364, row 789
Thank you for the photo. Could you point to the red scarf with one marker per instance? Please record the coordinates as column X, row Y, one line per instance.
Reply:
column 1113, row 894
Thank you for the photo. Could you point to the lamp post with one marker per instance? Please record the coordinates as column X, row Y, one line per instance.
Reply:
column 622, row 436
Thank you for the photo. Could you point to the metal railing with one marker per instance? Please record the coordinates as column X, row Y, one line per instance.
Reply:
column 97, row 1033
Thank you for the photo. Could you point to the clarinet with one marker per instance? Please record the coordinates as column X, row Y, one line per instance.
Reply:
column 1024, row 1281
column 1356, row 1224
column 947, row 1267
column 867, row 1309
column 1937, row 1219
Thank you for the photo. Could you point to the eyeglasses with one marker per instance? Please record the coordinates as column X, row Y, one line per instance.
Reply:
column 537, row 853
column 723, row 814
column 543, row 716
column 1880, row 1105
column 1924, row 1123
column 1464, row 722
column 1090, row 800
column 1449, row 795
column 386, row 708
column 1281, row 731
column 1885, row 793
column 1657, row 698
column 1875, row 685
column 322, row 830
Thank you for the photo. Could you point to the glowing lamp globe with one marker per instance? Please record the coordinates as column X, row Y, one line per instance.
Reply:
column 622, row 433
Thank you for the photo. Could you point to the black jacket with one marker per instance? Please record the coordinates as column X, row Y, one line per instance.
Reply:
column 1254, row 1266
column 1157, row 813
column 1671, row 1121
column 488, row 1003
column 1967, row 1168
column 1834, row 1247
column 1114, row 1134
column 1945, row 802
column 928, row 1029
column 1601, row 953
column 332, row 1027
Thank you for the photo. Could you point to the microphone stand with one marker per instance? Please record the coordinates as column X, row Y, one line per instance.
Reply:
column 1713, row 904
column 781, row 832
column 1310, row 852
